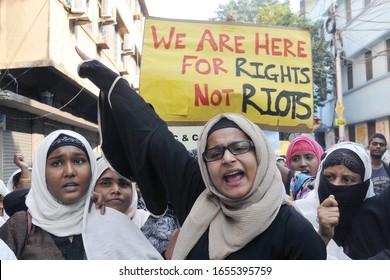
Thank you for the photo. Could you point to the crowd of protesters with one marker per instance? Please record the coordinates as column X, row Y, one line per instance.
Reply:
column 149, row 198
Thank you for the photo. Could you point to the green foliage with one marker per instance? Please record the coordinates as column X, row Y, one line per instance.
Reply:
column 239, row 10
column 274, row 12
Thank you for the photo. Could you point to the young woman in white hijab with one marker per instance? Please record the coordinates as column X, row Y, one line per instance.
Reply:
column 232, row 199
column 342, row 183
column 119, row 193
column 61, row 222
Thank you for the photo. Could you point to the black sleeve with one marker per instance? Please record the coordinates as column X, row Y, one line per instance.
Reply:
column 302, row 241
column 383, row 255
column 137, row 144
column 370, row 227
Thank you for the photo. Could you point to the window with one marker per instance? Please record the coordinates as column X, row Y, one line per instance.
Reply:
column 368, row 58
column 350, row 74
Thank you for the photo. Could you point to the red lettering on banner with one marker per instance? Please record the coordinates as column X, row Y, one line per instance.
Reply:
column 202, row 66
column 279, row 46
column 222, row 43
column 178, row 40
column 301, row 49
column 216, row 96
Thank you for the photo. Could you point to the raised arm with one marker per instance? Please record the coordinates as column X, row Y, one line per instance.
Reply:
column 138, row 145
column 25, row 178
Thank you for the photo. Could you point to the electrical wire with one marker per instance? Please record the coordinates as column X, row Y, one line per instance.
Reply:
column 24, row 37
column 17, row 49
column 48, row 114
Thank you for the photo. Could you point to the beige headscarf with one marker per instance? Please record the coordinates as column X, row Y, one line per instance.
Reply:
column 234, row 222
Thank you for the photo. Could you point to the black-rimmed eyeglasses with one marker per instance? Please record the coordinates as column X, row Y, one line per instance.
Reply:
column 235, row 148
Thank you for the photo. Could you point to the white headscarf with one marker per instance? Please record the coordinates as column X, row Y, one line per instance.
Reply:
column 5, row 252
column 308, row 206
column 47, row 213
column 113, row 236
column 3, row 189
column 138, row 216
column 234, row 222
column 10, row 183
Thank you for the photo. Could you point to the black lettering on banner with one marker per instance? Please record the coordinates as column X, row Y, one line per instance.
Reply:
column 292, row 99
column 240, row 62
column 272, row 72
column 268, row 73
column 185, row 138
column 303, row 72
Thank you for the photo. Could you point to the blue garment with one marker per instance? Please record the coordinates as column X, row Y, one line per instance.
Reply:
column 300, row 184
column 380, row 179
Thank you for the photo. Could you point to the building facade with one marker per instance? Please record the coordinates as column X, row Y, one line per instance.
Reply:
column 364, row 29
column 40, row 90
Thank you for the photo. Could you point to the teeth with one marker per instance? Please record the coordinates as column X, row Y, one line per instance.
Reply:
column 227, row 175
column 232, row 173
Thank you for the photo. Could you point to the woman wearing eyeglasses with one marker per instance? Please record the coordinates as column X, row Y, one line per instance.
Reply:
column 231, row 202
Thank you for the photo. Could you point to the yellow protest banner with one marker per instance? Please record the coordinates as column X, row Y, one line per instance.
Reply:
column 194, row 70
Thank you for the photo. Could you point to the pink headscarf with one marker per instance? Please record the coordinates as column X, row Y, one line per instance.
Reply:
column 303, row 144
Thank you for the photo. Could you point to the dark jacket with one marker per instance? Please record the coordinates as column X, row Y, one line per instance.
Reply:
column 370, row 229
column 282, row 240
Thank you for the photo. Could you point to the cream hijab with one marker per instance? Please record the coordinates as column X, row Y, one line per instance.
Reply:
column 138, row 216
column 234, row 222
